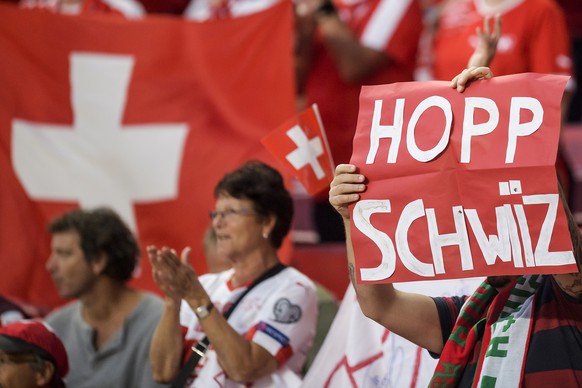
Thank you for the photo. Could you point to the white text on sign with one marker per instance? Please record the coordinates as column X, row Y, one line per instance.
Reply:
column 470, row 129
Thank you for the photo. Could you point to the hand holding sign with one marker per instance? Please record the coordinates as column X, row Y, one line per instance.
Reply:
column 345, row 188
column 473, row 73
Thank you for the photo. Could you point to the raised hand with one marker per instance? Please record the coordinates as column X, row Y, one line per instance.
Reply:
column 487, row 45
column 175, row 276
column 461, row 81
column 345, row 188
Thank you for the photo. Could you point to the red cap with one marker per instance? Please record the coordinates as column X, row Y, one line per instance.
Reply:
column 37, row 337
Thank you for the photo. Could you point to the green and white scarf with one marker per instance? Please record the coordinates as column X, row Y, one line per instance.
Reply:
column 506, row 320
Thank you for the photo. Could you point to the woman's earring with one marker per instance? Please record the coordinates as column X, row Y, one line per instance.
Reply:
column 265, row 235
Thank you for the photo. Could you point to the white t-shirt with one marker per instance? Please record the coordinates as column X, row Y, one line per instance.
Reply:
column 279, row 314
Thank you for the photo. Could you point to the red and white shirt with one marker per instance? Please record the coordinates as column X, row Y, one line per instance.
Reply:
column 390, row 26
column 279, row 314
column 534, row 37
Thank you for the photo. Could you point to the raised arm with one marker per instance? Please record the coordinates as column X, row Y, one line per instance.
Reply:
column 354, row 61
column 487, row 44
column 242, row 360
column 412, row 316
column 166, row 346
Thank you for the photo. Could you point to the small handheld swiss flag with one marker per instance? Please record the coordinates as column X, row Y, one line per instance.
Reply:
column 301, row 145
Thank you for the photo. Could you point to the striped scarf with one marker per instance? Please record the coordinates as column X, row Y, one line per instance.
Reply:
column 504, row 322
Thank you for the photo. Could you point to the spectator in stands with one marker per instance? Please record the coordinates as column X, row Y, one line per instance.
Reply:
column 107, row 330
column 327, row 304
column 31, row 355
column 341, row 45
column 265, row 340
column 556, row 326
column 534, row 38
column 484, row 42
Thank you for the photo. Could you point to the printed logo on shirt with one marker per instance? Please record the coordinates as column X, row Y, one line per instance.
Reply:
column 286, row 312
column 273, row 333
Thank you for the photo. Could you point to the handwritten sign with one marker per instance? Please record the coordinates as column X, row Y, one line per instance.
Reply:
column 460, row 184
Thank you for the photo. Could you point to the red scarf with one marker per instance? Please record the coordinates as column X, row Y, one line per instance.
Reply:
column 465, row 335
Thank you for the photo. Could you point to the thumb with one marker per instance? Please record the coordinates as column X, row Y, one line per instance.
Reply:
column 185, row 256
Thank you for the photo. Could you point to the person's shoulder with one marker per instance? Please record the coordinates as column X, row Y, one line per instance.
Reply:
column 148, row 312
column 64, row 312
column 150, row 304
column 63, row 319
column 292, row 275
column 544, row 8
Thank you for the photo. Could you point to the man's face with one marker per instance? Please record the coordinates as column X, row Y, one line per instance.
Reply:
column 67, row 266
column 16, row 372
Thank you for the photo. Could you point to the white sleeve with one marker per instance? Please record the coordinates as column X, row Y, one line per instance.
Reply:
column 286, row 322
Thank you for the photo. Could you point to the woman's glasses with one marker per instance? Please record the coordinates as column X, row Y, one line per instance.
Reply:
column 229, row 213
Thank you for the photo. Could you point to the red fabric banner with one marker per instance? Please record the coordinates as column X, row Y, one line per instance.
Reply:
column 460, row 185
column 144, row 116
column 300, row 144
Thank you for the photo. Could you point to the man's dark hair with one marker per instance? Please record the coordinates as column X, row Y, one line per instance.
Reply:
column 102, row 231
column 264, row 187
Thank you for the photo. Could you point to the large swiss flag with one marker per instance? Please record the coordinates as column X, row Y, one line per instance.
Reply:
column 144, row 116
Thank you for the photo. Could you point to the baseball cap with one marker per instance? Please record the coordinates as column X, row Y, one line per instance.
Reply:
column 36, row 337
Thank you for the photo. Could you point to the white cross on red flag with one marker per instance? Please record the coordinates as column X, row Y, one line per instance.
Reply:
column 300, row 144
column 142, row 116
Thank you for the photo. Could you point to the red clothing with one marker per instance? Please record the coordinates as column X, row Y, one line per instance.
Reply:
column 125, row 8
column 554, row 355
column 534, row 37
column 392, row 26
